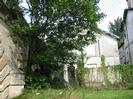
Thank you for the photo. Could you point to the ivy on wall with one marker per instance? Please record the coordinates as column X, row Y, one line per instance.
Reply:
column 126, row 74
column 104, row 69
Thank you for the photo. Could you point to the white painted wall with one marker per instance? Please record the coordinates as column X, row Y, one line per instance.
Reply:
column 109, row 46
column 105, row 45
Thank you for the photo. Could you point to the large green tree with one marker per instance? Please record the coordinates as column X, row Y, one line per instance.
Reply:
column 54, row 29
column 116, row 27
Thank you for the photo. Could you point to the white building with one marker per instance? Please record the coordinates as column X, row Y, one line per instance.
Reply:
column 106, row 44
column 126, row 49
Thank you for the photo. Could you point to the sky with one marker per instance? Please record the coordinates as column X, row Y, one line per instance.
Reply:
column 112, row 9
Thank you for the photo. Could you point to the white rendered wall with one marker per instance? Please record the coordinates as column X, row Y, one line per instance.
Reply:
column 109, row 46
column 106, row 46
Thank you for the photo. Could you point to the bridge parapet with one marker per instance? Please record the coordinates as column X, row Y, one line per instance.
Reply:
column 11, row 78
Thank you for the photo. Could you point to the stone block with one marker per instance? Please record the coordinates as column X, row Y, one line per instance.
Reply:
column 15, row 91
column 5, row 83
column 4, row 94
column 17, row 83
column 6, row 70
column 3, row 62
column 1, row 50
column 17, row 79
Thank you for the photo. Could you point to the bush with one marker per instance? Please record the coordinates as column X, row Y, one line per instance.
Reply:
column 36, row 81
column 80, row 73
column 126, row 74
column 130, row 85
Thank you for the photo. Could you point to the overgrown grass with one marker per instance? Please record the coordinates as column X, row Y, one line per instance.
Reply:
column 80, row 93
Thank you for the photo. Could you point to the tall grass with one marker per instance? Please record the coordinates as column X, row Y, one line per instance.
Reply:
column 78, row 93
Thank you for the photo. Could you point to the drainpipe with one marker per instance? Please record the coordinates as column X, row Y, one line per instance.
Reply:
column 99, row 49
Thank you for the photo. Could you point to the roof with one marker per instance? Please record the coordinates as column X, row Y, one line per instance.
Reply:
column 110, row 34
column 125, row 14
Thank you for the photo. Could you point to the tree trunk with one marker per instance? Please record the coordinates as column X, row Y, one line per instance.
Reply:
column 29, row 60
column 29, row 57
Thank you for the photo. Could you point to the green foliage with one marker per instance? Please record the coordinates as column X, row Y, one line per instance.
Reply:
column 81, row 71
column 130, row 86
column 103, row 61
column 36, row 81
column 57, row 79
column 80, row 93
column 81, row 58
column 53, row 30
column 117, row 28
column 80, row 74
column 126, row 73
column 55, row 27
column 104, row 70
column 20, row 32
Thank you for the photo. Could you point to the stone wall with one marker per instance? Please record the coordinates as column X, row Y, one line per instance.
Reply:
column 95, row 77
column 11, row 78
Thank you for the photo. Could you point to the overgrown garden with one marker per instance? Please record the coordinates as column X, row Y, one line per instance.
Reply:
column 48, row 32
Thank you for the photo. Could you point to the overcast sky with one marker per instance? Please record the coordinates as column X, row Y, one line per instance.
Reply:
column 113, row 9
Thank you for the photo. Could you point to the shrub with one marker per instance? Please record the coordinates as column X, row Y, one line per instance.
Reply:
column 130, row 85
column 104, row 70
column 36, row 81
column 126, row 74
column 80, row 73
